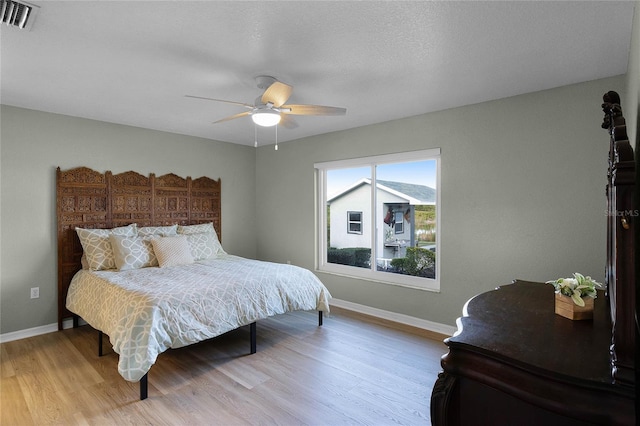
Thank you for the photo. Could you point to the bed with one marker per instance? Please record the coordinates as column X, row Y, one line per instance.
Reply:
column 140, row 260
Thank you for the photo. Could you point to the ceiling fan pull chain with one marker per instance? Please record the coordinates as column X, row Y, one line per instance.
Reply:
column 255, row 128
column 276, row 137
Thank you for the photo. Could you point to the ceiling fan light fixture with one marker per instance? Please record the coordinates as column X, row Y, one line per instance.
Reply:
column 266, row 118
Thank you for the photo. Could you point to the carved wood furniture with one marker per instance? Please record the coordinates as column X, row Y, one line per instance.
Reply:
column 514, row 361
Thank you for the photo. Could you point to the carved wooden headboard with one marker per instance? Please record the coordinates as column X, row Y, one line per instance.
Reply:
column 86, row 198
column 622, row 213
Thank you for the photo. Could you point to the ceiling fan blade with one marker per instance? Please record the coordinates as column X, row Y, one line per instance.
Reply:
column 242, row 114
column 277, row 94
column 220, row 100
column 288, row 122
column 313, row 110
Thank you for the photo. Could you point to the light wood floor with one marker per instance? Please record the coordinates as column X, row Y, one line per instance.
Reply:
column 349, row 371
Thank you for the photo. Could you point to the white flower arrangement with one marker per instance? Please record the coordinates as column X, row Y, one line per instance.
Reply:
column 577, row 287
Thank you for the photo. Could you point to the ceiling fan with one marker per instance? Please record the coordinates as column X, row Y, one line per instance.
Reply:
column 270, row 109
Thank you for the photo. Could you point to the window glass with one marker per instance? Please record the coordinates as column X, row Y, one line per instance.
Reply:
column 380, row 218
column 350, row 199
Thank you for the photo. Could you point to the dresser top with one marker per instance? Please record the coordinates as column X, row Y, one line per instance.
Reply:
column 516, row 324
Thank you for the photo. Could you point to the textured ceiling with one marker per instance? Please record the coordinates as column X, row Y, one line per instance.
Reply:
column 133, row 62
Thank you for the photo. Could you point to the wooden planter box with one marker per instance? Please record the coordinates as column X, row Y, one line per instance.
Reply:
column 566, row 308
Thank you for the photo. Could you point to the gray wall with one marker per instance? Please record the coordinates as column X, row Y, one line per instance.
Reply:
column 35, row 143
column 522, row 195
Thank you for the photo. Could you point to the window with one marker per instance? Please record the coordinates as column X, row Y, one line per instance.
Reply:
column 354, row 222
column 399, row 223
column 378, row 218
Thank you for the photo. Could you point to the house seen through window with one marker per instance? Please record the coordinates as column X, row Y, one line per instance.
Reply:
column 378, row 218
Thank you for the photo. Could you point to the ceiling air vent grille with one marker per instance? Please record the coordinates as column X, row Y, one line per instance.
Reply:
column 18, row 14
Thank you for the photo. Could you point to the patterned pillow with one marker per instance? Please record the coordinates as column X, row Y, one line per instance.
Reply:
column 84, row 262
column 204, row 245
column 158, row 230
column 173, row 250
column 97, row 247
column 196, row 229
column 133, row 252
column 200, row 229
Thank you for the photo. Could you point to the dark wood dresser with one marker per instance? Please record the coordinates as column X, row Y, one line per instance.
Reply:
column 514, row 361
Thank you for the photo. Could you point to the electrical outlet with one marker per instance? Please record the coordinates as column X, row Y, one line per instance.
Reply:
column 35, row 292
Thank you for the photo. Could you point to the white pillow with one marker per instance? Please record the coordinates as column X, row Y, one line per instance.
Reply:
column 158, row 230
column 202, row 228
column 133, row 252
column 204, row 245
column 97, row 247
column 171, row 251
column 196, row 229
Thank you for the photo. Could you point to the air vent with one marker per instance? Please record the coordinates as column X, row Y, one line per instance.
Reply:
column 18, row 14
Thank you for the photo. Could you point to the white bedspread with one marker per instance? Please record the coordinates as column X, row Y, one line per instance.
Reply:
column 146, row 311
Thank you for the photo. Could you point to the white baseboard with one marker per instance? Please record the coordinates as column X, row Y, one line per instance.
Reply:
column 35, row 331
column 435, row 327
column 363, row 309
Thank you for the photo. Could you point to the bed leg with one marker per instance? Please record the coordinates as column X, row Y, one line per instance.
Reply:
column 100, row 343
column 319, row 318
column 76, row 321
column 252, row 332
column 144, row 387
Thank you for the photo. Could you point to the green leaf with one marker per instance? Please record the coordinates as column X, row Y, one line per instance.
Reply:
column 577, row 299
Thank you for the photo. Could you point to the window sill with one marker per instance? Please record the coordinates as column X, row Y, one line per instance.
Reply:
column 431, row 285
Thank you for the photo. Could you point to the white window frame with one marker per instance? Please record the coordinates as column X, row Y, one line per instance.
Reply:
column 373, row 274
column 349, row 222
